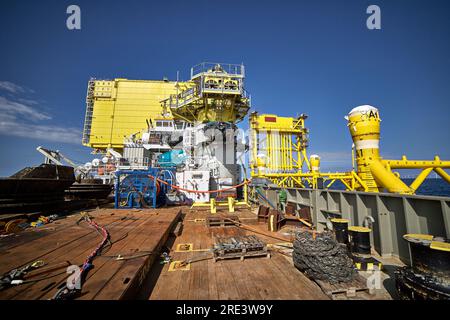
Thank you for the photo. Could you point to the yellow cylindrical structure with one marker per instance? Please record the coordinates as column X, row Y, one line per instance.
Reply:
column 314, row 160
column 364, row 125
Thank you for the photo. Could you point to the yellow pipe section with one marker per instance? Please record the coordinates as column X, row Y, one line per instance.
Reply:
column 254, row 147
column 444, row 175
column 282, row 152
column 387, row 179
column 420, row 179
column 314, row 160
column 416, row 164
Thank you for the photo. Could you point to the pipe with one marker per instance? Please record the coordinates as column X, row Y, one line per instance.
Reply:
column 420, row 178
column 416, row 164
column 444, row 175
column 387, row 179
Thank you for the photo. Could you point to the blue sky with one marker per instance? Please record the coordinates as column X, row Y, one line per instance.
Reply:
column 313, row 57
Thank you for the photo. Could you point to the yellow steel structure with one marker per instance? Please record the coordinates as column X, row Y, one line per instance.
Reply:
column 278, row 147
column 231, row 202
column 117, row 108
column 375, row 172
column 278, row 153
column 121, row 107
column 217, row 94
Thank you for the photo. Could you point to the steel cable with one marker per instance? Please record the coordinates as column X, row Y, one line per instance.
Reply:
column 322, row 258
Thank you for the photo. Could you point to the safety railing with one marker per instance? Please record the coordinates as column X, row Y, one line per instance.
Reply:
column 237, row 70
column 183, row 98
column 393, row 215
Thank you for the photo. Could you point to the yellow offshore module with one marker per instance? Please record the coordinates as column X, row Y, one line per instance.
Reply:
column 117, row 108
column 278, row 153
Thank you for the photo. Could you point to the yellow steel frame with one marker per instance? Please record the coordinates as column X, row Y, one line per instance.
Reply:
column 231, row 203
column 198, row 103
column 283, row 142
column 427, row 166
column 278, row 153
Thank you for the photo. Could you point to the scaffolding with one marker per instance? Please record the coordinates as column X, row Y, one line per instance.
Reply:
column 278, row 148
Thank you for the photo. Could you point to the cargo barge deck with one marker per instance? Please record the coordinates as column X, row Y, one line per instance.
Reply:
column 131, row 266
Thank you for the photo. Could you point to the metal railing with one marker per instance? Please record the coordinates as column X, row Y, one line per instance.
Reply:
column 394, row 215
column 237, row 70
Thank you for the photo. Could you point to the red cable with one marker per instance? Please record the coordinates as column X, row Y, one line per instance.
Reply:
column 197, row 191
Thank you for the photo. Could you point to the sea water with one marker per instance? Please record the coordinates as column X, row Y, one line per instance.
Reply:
column 430, row 187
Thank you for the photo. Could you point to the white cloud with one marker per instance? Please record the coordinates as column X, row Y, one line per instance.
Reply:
column 11, row 87
column 19, row 118
column 339, row 157
column 28, row 101
column 40, row 132
column 13, row 108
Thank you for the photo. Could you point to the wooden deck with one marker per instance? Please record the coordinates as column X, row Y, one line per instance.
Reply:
column 133, row 232
column 250, row 279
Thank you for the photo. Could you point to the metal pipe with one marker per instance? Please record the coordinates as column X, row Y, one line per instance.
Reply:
column 444, row 175
column 420, row 179
column 416, row 164
column 387, row 179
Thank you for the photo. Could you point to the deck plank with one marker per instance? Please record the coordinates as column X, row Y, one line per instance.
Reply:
column 74, row 253
column 304, row 288
column 147, row 230
column 105, row 268
column 253, row 278
column 125, row 282
column 33, row 250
